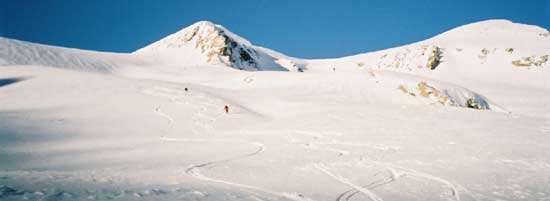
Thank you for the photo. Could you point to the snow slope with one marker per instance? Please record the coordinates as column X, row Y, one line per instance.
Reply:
column 15, row 52
column 364, row 127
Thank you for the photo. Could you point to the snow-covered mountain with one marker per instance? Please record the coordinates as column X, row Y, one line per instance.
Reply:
column 395, row 124
column 205, row 43
column 475, row 51
column 488, row 43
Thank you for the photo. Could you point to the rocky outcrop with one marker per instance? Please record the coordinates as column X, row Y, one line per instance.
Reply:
column 412, row 57
column 404, row 89
column 219, row 47
column 524, row 62
column 475, row 104
column 531, row 61
column 444, row 94
column 425, row 90
column 484, row 54
column 434, row 59
column 428, row 91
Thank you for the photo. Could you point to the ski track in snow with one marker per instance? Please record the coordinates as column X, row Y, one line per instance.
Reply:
column 167, row 117
column 201, row 117
column 194, row 170
column 170, row 120
column 347, row 195
column 393, row 169
column 454, row 188
column 372, row 196
column 352, row 192
column 396, row 172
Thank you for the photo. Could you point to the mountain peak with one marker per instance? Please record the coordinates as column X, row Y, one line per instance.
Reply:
column 204, row 23
column 206, row 43
column 496, row 33
column 499, row 24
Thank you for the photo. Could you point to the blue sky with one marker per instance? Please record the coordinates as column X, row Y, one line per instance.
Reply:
column 307, row 28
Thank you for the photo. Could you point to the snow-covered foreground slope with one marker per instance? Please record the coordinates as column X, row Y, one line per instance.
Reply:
column 365, row 127
column 91, row 136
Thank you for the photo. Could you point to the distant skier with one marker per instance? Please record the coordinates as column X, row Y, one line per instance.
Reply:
column 333, row 69
column 226, row 108
column 185, row 89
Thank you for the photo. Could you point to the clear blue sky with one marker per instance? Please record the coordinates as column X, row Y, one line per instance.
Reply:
column 306, row 28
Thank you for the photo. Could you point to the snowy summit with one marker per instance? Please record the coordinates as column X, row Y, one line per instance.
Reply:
column 206, row 43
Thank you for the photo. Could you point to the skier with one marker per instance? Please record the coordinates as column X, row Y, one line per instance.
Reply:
column 226, row 108
column 185, row 89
